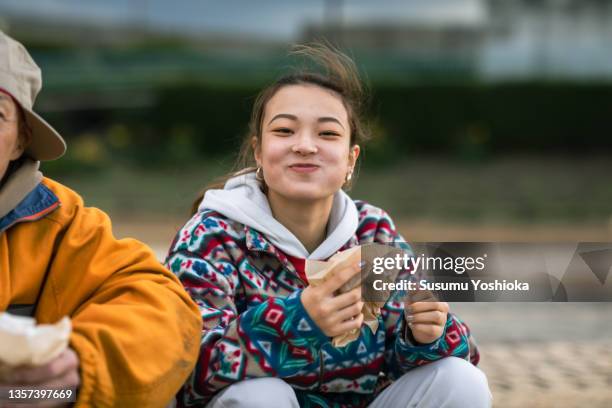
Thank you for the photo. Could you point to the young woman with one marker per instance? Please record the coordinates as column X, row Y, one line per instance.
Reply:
column 266, row 333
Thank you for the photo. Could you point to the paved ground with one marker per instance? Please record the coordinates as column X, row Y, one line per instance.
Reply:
column 544, row 354
column 549, row 374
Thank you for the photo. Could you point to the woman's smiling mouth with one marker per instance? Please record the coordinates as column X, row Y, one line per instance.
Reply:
column 303, row 167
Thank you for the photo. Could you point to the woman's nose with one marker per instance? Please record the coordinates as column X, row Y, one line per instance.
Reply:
column 304, row 143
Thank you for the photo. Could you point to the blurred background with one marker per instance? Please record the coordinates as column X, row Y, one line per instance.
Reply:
column 492, row 121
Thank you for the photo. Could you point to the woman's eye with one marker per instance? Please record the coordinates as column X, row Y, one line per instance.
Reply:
column 329, row 133
column 283, row 130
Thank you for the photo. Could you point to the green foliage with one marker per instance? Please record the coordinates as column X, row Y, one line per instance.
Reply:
column 468, row 121
column 477, row 120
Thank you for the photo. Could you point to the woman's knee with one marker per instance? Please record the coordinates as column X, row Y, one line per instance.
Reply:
column 465, row 383
column 256, row 393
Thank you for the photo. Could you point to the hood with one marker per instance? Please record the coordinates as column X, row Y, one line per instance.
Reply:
column 242, row 200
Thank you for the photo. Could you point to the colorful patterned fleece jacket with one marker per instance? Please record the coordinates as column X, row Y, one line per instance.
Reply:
column 254, row 324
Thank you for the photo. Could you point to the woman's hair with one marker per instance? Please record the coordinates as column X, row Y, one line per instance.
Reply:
column 336, row 72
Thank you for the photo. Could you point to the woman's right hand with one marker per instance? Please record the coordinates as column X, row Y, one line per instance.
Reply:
column 335, row 315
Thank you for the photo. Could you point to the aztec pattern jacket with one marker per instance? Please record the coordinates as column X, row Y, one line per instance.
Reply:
column 254, row 324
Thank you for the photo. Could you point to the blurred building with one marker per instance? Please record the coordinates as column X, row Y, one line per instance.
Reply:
column 422, row 49
column 548, row 39
column 412, row 38
column 518, row 39
column 504, row 40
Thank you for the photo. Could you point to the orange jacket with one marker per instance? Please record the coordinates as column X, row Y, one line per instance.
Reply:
column 135, row 329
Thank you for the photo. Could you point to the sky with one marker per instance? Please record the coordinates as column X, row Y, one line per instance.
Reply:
column 281, row 19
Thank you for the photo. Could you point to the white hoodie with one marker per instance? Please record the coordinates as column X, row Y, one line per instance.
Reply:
column 243, row 201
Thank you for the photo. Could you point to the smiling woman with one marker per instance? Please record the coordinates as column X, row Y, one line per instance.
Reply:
column 305, row 156
column 266, row 333
column 299, row 106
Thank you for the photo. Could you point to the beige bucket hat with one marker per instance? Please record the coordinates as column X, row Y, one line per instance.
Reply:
column 21, row 78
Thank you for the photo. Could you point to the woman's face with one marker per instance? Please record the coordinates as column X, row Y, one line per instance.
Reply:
column 305, row 150
column 10, row 146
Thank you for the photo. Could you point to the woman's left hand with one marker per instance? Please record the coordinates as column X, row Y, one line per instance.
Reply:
column 426, row 319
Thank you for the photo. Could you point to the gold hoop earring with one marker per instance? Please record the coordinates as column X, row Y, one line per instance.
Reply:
column 259, row 174
column 349, row 176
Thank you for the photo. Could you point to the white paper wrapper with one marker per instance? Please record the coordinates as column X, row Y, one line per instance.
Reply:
column 23, row 342
column 318, row 272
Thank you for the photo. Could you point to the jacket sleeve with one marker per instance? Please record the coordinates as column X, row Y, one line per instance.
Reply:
column 135, row 329
column 275, row 338
column 402, row 352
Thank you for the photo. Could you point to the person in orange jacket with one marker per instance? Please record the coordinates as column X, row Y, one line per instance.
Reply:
column 135, row 330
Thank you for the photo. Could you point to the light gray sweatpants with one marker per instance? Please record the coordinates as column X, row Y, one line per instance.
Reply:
column 447, row 383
